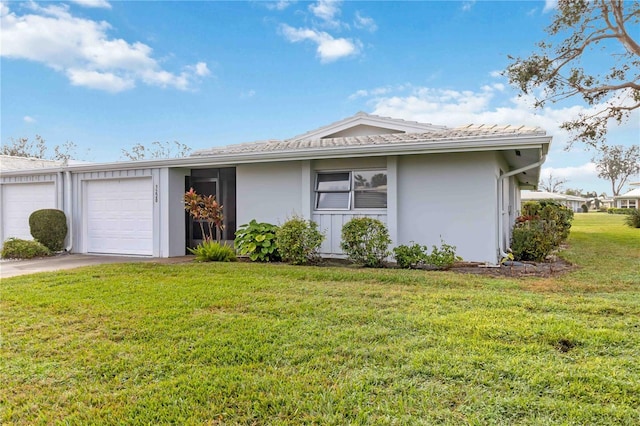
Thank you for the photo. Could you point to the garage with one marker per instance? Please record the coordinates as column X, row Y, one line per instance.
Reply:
column 119, row 216
column 19, row 201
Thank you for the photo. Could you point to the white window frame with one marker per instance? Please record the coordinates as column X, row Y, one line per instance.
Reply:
column 352, row 190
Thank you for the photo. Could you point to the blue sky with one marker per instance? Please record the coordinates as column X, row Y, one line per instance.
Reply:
column 109, row 74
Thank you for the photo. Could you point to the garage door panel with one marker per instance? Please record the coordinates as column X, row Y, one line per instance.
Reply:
column 19, row 201
column 120, row 216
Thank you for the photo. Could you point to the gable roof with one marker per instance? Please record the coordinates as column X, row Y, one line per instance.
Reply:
column 467, row 137
column 362, row 119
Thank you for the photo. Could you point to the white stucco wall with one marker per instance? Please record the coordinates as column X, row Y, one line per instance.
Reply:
column 270, row 192
column 172, row 213
column 450, row 196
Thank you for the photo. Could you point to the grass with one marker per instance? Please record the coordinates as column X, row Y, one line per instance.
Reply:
column 271, row 344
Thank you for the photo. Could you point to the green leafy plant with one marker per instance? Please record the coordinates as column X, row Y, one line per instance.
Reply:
column 530, row 240
column 633, row 218
column 365, row 241
column 417, row 256
column 409, row 257
column 211, row 251
column 616, row 210
column 15, row 248
column 442, row 257
column 557, row 217
column 205, row 210
column 258, row 241
column 49, row 227
column 299, row 240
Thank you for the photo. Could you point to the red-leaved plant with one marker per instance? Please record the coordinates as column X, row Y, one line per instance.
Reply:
column 205, row 209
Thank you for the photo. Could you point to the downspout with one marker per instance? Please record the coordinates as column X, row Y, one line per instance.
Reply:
column 503, row 252
column 69, row 208
column 60, row 187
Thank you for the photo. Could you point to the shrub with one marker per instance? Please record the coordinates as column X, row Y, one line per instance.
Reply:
column 584, row 208
column 633, row 218
column 409, row 257
column 557, row 217
column 415, row 256
column 530, row 240
column 211, row 251
column 443, row 257
column 298, row 241
column 617, row 210
column 15, row 248
column 365, row 241
column 258, row 241
column 49, row 227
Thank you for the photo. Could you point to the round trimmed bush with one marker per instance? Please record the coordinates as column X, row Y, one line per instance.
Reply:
column 49, row 227
column 366, row 241
column 298, row 241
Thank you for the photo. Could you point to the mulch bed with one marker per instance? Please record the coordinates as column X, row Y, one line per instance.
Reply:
column 553, row 267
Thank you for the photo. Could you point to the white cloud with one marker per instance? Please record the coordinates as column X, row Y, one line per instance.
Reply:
column 99, row 80
column 327, row 10
column 329, row 49
column 468, row 5
column 82, row 50
column 365, row 22
column 495, row 74
column 279, row 5
column 248, row 94
column 104, row 4
column 550, row 5
column 28, row 119
column 570, row 173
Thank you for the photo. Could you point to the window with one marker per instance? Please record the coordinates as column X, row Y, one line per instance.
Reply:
column 360, row 189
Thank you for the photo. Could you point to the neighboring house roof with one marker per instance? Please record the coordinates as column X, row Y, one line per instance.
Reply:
column 634, row 193
column 11, row 163
column 544, row 195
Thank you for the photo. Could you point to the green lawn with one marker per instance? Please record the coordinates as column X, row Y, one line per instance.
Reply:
column 271, row 344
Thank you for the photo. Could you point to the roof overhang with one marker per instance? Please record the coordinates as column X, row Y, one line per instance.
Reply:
column 537, row 143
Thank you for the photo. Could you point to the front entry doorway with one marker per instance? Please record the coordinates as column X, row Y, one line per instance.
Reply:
column 221, row 183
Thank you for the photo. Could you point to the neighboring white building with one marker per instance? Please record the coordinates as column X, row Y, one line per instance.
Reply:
column 631, row 199
column 571, row 201
column 425, row 182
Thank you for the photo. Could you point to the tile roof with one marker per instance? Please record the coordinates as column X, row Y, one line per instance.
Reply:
column 634, row 193
column 10, row 163
column 480, row 132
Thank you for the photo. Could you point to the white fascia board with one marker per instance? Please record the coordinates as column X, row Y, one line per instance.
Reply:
column 408, row 148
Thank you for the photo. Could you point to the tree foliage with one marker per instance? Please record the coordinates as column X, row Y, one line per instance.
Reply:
column 617, row 164
column 37, row 148
column 157, row 149
column 586, row 28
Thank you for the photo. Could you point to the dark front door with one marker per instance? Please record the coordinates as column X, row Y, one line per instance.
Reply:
column 221, row 183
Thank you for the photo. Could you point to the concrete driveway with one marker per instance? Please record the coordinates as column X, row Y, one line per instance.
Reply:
column 13, row 268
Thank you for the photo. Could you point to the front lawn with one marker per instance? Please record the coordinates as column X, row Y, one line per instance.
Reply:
column 248, row 343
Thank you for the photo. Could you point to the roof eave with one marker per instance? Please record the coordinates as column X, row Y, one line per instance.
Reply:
column 409, row 148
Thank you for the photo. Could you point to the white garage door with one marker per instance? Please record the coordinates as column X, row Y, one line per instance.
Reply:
column 119, row 216
column 19, row 201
